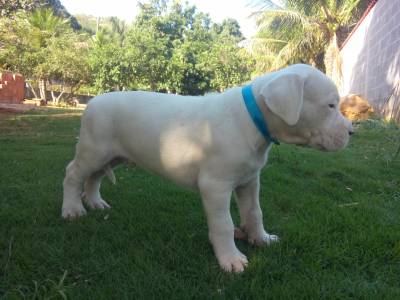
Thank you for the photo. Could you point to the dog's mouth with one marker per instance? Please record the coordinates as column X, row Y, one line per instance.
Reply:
column 320, row 147
column 319, row 139
column 316, row 146
column 328, row 143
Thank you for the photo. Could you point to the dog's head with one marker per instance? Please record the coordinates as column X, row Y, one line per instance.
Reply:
column 303, row 108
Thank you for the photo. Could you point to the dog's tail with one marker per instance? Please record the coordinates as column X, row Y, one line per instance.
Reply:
column 110, row 173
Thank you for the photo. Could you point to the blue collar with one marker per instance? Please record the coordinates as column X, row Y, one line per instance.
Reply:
column 256, row 114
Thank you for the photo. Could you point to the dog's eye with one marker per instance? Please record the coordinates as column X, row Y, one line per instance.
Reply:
column 332, row 105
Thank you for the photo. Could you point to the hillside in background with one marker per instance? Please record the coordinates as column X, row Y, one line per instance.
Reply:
column 91, row 24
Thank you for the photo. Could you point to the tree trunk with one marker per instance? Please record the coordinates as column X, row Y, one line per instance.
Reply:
column 32, row 89
column 42, row 89
column 59, row 96
column 333, row 61
column 55, row 99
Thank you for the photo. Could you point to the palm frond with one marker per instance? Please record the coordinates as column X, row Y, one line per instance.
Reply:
column 332, row 6
column 346, row 12
column 267, row 40
column 269, row 4
column 286, row 18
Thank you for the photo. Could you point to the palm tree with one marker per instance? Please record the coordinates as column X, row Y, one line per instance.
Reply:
column 118, row 28
column 306, row 31
column 101, row 38
column 44, row 25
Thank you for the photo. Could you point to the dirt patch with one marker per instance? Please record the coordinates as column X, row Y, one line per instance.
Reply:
column 5, row 111
column 22, row 112
column 49, row 116
column 9, row 110
column 66, row 115
column 15, row 108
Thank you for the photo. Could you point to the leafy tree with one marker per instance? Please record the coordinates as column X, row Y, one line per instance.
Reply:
column 187, row 72
column 10, row 7
column 150, row 10
column 306, row 31
column 89, row 24
column 228, row 65
column 228, row 28
column 118, row 29
column 16, row 52
column 171, row 48
column 67, row 64
column 112, row 27
column 44, row 25
column 43, row 47
column 148, row 52
column 110, row 68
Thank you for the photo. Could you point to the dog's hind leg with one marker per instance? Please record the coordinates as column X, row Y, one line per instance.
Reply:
column 72, row 206
column 94, row 152
column 87, row 161
column 92, row 191
column 92, row 194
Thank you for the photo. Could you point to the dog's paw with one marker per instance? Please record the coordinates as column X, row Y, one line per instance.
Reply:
column 264, row 239
column 73, row 211
column 233, row 262
column 98, row 204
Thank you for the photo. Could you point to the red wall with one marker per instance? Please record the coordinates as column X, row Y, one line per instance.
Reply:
column 12, row 88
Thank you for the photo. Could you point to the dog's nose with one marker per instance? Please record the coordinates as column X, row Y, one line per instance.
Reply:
column 351, row 129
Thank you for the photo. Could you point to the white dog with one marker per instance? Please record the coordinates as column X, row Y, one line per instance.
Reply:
column 214, row 144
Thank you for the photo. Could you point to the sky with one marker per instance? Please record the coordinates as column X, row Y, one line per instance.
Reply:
column 127, row 10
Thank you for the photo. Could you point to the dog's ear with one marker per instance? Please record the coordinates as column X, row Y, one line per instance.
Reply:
column 284, row 96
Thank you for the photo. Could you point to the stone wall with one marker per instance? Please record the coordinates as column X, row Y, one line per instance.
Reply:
column 12, row 88
column 371, row 59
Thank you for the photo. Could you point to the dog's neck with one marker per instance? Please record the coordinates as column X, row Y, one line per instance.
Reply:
column 269, row 117
column 249, row 131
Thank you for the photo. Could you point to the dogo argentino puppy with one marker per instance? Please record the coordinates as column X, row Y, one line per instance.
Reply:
column 216, row 144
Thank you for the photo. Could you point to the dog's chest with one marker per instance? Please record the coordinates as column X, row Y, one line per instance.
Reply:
column 251, row 166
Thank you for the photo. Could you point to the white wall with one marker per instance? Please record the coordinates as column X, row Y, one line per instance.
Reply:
column 371, row 59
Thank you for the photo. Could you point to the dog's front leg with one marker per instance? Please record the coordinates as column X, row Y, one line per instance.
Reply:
column 216, row 200
column 247, row 197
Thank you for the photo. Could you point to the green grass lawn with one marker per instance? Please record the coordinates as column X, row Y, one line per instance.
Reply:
column 338, row 216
